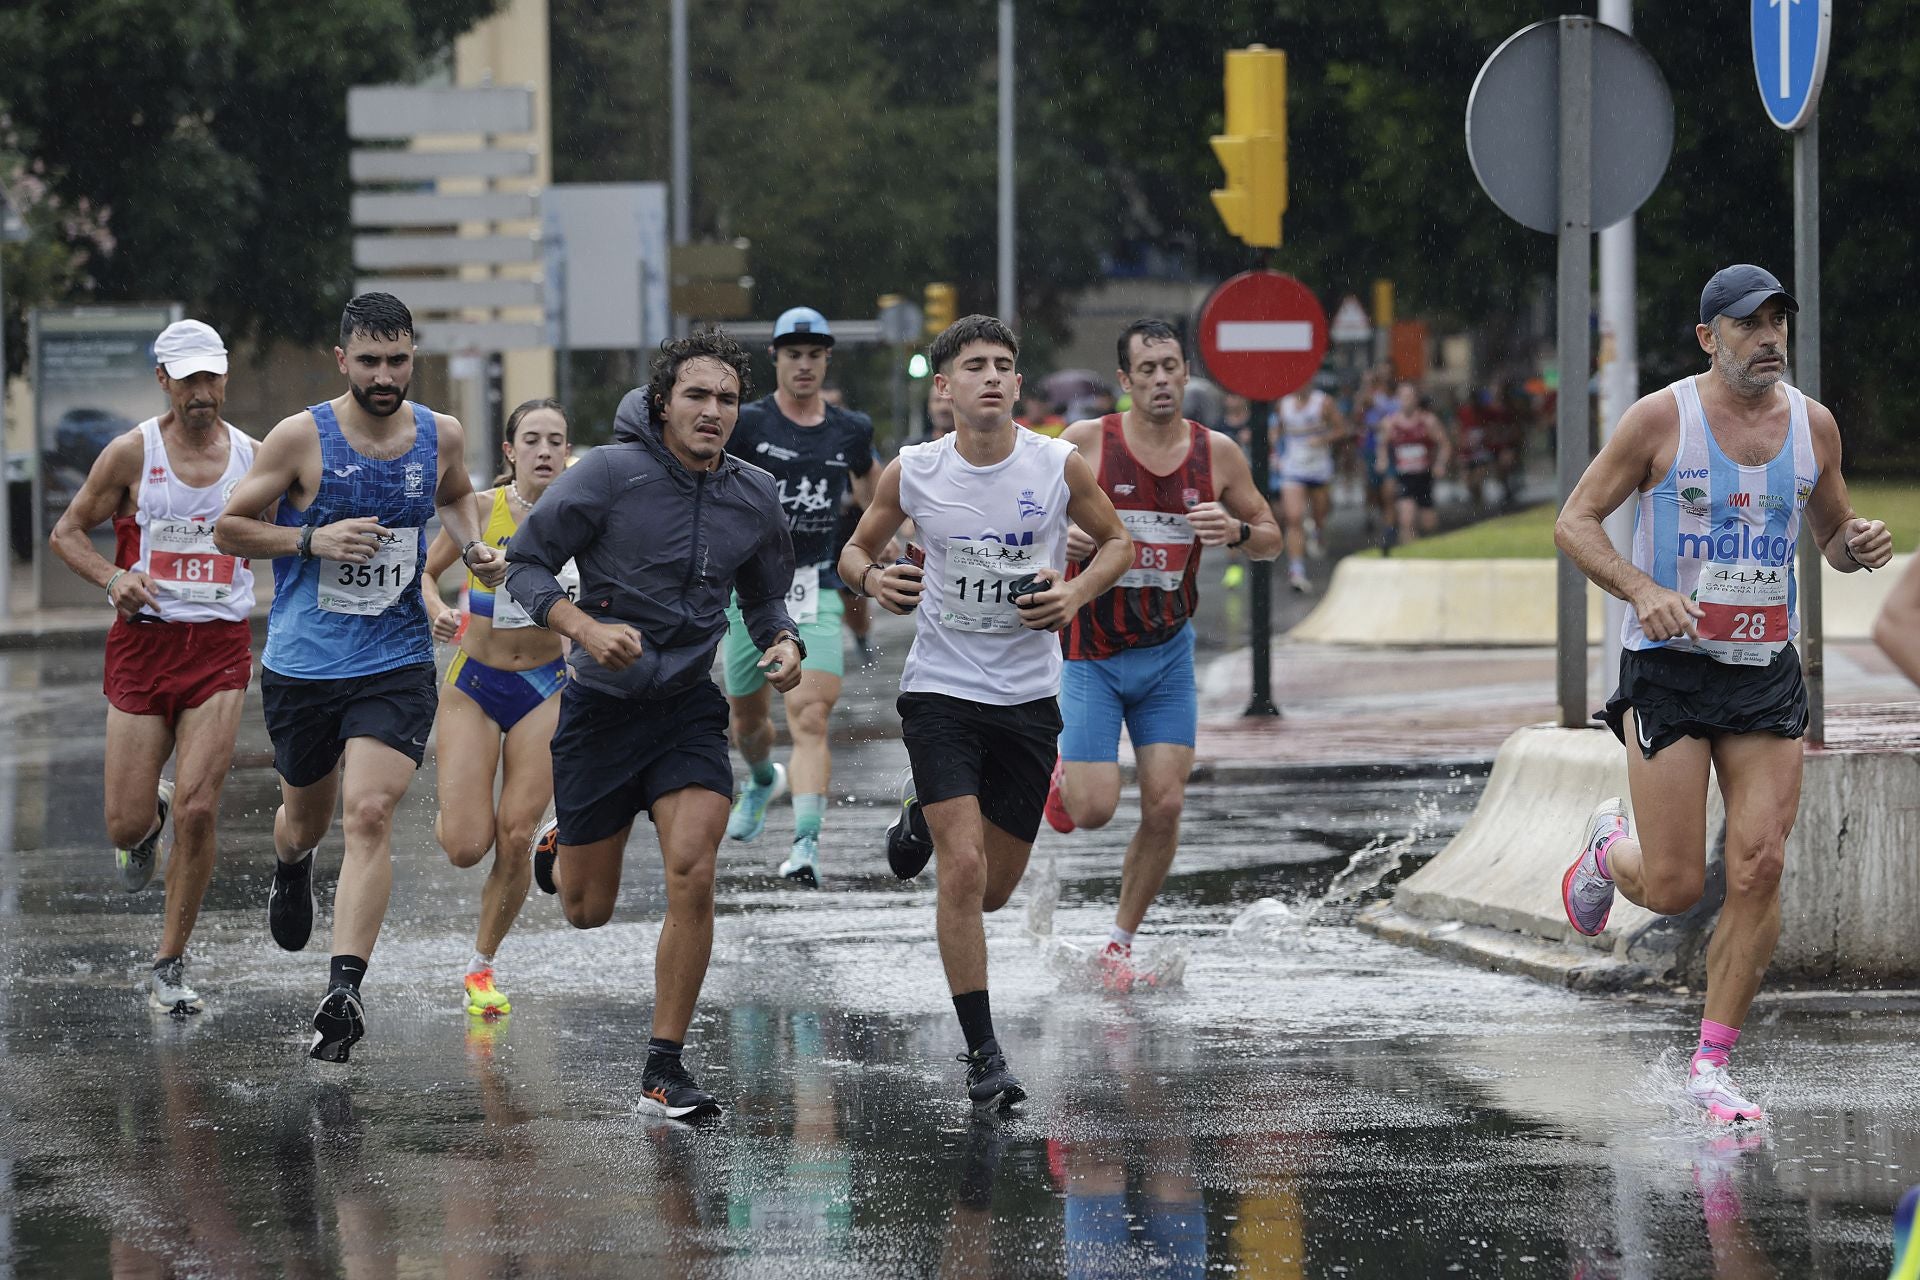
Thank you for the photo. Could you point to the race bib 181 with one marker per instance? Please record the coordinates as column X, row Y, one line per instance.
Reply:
column 184, row 563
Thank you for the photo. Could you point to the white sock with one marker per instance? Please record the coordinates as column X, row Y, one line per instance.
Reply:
column 479, row 963
column 1120, row 936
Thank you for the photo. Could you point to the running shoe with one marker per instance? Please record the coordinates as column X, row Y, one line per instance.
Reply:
column 1710, row 1088
column 909, row 843
column 337, row 1024
column 1316, row 548
column 1057, row 816
column 290, row 904
column 169, row 992
column 1586, row 894
column 546, row 846
column 1906, row 1237
column 1114, row 964
column 989, row 1082
column 749, row 816
column 1235, row 575
column 669, row 1089
column 803, row 862
column 136, row 864
column 1299, row 582
column 483, row 998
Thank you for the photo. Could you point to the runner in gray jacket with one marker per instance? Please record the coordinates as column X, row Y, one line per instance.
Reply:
column 663, row 524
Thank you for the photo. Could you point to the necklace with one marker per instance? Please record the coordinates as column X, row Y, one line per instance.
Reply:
column 513, row 496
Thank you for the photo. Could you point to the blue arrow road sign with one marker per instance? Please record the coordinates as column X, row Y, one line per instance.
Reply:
column 1790, row 56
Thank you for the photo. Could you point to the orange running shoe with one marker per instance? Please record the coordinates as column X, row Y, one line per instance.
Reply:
column 483, row 998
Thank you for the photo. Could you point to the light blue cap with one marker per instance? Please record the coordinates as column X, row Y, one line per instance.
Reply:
column 802, row 324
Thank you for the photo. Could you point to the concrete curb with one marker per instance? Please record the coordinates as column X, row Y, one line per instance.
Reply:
column 1405, row 601
column 1849, row 898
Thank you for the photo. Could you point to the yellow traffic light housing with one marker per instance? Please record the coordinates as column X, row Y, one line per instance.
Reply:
column 939, row 308
column 1253, row 151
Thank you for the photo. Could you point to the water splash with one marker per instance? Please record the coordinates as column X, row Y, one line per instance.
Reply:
column 1270, row 920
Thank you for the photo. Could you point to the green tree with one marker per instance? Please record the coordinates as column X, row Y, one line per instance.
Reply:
column 214, row 133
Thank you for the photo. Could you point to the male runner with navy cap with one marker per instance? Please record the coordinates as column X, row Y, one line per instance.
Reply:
column 1730, row 466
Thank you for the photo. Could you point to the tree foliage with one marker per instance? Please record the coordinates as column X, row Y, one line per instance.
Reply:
column 214, row 133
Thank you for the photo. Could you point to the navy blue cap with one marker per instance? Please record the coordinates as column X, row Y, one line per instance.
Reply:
column 802, row 324
column 1735, row 291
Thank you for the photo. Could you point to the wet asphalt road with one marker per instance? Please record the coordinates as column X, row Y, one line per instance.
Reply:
column 1311, row 1102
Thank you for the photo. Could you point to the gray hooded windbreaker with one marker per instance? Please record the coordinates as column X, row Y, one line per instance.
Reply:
column 659, row 548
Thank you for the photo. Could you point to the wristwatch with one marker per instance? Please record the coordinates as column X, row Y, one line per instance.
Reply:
column 798, row 643
column 306, row 541
column 471, row 544
column 1246, row 532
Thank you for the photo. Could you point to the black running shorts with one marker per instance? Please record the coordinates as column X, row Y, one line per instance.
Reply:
column 1416, row 487
column 1003, row 755
column 1689, row 695
column 310, row 721
column 613, row 757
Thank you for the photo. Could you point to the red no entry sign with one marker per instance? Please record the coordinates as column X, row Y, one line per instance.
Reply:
column 1263, row 335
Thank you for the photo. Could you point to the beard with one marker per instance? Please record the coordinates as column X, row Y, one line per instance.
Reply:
column 1744, row 381
column 365, row 400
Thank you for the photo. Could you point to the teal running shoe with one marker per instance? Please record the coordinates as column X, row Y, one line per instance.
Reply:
column 749, row 816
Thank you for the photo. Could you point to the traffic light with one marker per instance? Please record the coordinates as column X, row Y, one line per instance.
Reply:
column 1253, row 150
column 939, row 309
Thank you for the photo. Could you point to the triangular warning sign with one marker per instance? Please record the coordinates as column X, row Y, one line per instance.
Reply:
column 1350, row 322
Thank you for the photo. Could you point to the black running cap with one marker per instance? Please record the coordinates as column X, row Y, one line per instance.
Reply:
column 1735, row 291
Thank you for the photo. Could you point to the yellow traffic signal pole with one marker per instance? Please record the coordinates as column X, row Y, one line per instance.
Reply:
column 1253, row 152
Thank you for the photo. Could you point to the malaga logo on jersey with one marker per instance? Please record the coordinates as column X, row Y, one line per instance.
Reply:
column 1736, row 540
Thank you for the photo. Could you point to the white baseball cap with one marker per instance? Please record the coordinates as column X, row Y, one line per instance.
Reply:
column 187, row 347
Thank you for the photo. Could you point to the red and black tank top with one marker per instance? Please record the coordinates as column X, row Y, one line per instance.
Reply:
column 1156, row 596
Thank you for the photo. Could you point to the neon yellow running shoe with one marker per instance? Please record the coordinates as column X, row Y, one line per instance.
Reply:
column 483, row 998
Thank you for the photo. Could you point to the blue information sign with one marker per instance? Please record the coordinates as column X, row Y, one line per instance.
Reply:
column 1790, row 56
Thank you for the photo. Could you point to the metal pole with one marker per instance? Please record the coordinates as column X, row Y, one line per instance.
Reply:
column 681, row 176
column 1008, row 300
column 1806, row 359
column 1575, row 299
column 1260, row 575
column 1620, row 376
column 6, row 495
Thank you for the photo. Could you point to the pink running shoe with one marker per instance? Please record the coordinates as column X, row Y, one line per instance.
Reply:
column 1586, row 894
column 1057, row 816
column 1711, row 1089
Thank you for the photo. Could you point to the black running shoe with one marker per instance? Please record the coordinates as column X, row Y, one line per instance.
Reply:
column 668, row 1089
column 909, row 843
column 337, row 1024
column 290, row 904
column 988, row 1079
column 546, row 846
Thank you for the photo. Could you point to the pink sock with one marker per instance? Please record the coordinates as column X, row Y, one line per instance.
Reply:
column 1600, row 855
column 1716, row 1042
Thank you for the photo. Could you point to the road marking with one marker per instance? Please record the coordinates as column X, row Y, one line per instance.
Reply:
column 1264, row 335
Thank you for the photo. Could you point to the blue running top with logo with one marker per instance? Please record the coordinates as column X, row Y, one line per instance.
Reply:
column 332, row 620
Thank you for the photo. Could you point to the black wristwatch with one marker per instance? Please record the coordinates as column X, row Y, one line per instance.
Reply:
column 306, row 541
column 798, row 643
column 1246, row 532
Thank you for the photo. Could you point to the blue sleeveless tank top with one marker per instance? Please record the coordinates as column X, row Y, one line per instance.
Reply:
column 332, row 621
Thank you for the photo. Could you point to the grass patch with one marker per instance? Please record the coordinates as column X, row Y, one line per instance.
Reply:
column 1528, row 534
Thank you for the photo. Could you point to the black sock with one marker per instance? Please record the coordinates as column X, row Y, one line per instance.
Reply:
column 346, row 972
column 164, row 961
column 663, row 1048
column 284, row 870
column 976, row 1020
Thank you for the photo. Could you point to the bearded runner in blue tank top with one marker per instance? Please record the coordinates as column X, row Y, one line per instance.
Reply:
column 339, row 497
column 1731, row 467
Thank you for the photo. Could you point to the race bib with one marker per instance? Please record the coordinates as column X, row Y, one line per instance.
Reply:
column 507, row 613
column 803, row 597
column 1410, row 457
column 1162, row 546
column 183, row 562
column 1743, row 607
column 368, row 589
column 977, row 595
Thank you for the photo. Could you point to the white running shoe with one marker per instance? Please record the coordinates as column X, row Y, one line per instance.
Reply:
column 169, row 992
column 1710, row 1088
column 1584, row 892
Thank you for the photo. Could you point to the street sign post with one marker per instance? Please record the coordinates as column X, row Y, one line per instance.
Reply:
column 1790, row 39
column 1553, row 163
column 1263, row 335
